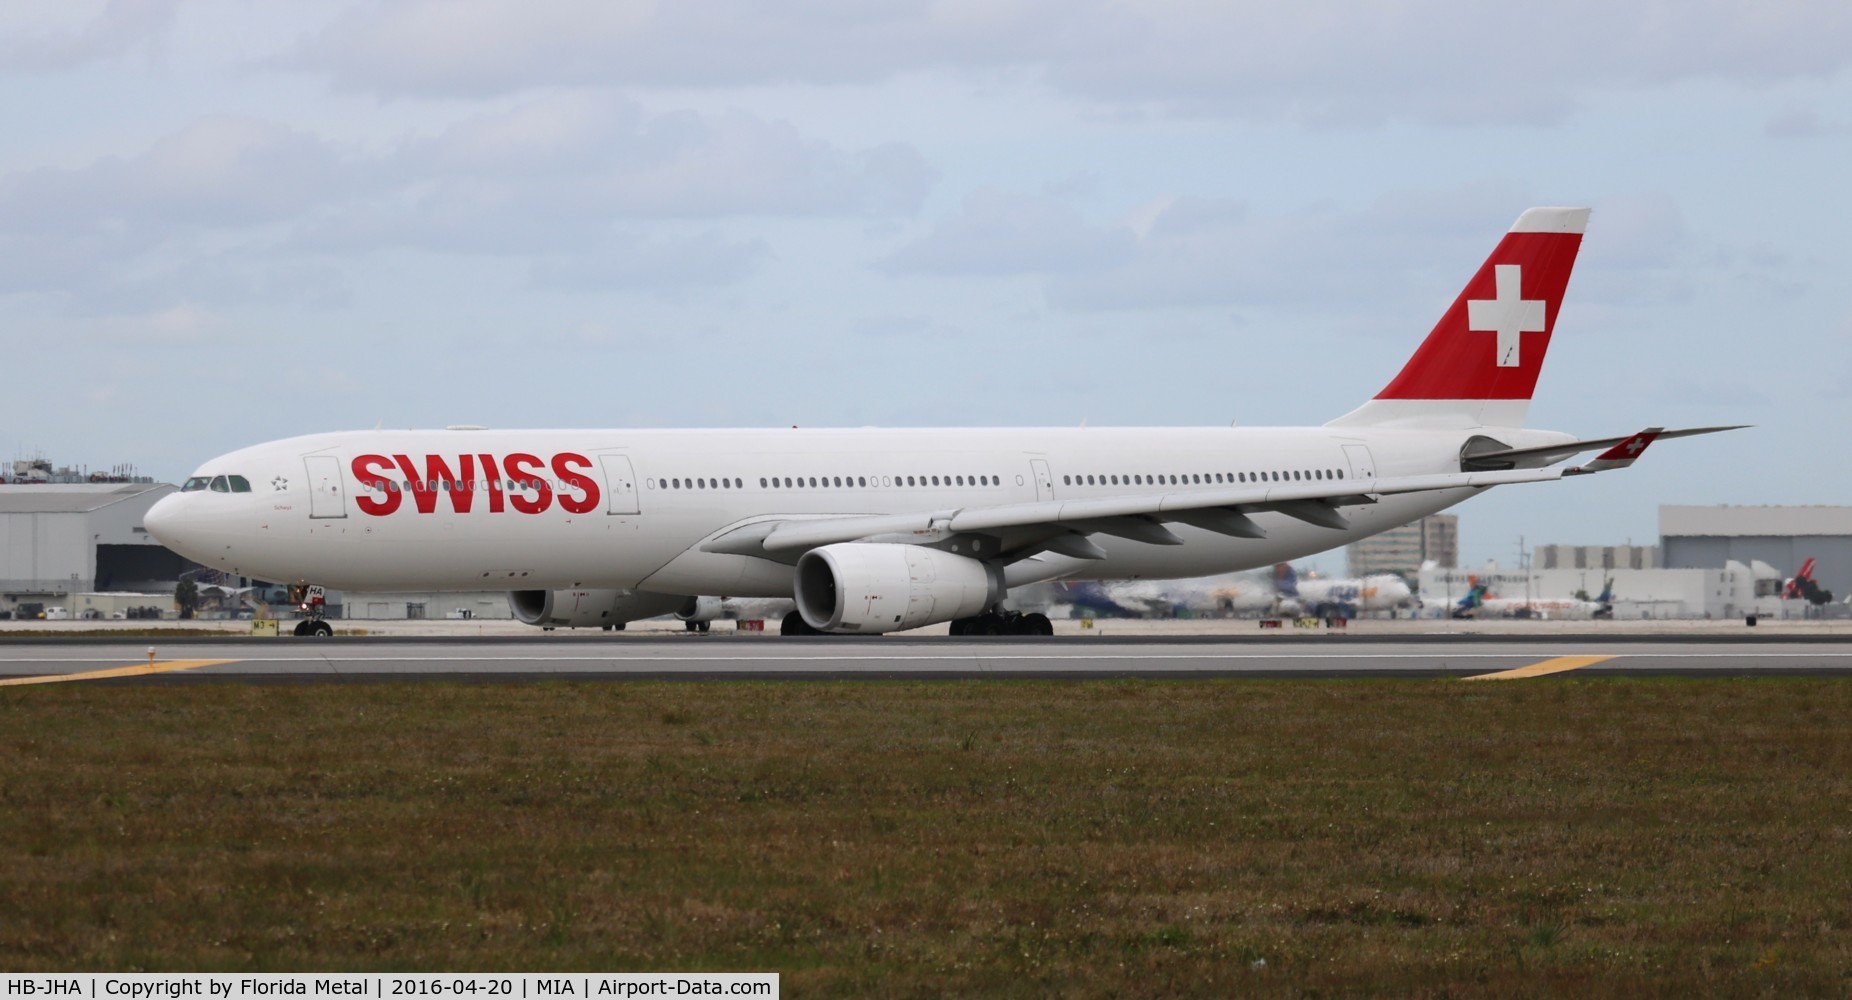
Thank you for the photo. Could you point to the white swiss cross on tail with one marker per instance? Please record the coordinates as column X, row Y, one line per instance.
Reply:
column 1508, row 315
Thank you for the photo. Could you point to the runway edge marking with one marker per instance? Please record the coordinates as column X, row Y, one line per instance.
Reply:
column 134, row 670
column 1554, row 665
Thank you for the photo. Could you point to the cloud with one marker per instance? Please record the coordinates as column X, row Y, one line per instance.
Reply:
column 1433, row 61
column 658, row 264
column 1803, row 123
column 546, row 178
column 219, row 171
column 121, row 27
column 480, row 48
column 1002, row 234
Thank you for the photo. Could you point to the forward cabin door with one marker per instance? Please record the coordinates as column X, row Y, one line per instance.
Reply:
column 620, row 485
column 1044, row 482
column 1362, row 466
column 325, row 495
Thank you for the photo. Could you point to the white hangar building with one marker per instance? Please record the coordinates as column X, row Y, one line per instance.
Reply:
column 1782, row 537
column 58, row 540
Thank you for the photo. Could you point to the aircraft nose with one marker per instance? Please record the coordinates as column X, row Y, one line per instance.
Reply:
column 165, row 521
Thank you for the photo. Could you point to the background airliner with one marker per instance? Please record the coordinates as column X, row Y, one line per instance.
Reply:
column 1280, row 592
column 880, row 530
column 1480, row 602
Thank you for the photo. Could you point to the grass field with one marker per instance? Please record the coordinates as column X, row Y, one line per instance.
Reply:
column 1593, row 837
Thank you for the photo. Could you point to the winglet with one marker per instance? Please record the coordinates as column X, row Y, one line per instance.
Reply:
column 1621, row 455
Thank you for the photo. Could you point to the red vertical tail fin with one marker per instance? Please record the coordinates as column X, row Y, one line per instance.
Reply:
column 1479, row 365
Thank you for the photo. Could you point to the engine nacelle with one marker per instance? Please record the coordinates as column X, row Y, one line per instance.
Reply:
column 870, row 587
column 587, row 608
column 701, row 609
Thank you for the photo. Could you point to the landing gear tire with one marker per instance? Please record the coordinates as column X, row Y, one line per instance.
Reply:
column 696, row 626
column 794, row 624
column 314, row 627
column 1003, row 623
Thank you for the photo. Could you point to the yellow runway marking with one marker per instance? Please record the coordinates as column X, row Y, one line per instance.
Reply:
column 138, row 670
column 1551, row 666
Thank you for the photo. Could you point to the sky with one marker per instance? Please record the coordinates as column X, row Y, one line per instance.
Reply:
column 228, row 221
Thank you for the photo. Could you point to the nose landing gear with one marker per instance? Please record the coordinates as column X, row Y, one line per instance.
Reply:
column 313, row 600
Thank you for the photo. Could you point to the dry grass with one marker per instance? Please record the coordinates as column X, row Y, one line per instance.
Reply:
column 1594, row 837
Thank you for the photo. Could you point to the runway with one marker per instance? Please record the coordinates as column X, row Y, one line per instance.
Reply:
column 615, row 658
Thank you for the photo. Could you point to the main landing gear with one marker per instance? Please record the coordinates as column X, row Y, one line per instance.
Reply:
column 794, row 624
column 314, row 626
column 989, row 623
column 1003, row 623
column 702, row 626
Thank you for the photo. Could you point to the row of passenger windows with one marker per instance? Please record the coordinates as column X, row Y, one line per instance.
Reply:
column 822, row 482
column 217, row 484
column 1204, row 478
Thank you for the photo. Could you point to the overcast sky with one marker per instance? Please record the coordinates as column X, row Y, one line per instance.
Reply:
column 227, row 221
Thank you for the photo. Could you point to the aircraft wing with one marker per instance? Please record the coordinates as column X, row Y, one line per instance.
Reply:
column 1066, row 523
column 1558, row 452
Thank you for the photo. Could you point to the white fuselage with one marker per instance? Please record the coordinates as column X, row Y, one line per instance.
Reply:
column 630, row 509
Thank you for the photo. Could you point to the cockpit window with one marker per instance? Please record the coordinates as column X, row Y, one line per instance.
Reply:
column 239, row 484
column 219, row 485
column 195, row 484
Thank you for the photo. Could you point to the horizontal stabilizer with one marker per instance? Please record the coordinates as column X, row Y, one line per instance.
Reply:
column 1546, row 454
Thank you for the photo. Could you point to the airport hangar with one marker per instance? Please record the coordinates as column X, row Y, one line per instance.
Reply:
column 1783, row 537
column 1711, row 562
column 60, row 541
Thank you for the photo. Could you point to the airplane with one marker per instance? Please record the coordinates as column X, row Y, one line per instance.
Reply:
column 1332, row 597
column 879, row 530
column 1467, row 604
column 1478, row 602
column 1802, row 586
column 1222, row 595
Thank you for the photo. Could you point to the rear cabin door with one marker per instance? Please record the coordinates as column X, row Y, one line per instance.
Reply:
column 325, row 492
column 1362, row 466
column 1044, row 482
column 620, row 484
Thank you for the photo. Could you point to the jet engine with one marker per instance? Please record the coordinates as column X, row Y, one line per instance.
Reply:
column 588, row 608
column 871, row 587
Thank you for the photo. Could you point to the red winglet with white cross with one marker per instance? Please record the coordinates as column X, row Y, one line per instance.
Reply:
column 1623, row 454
